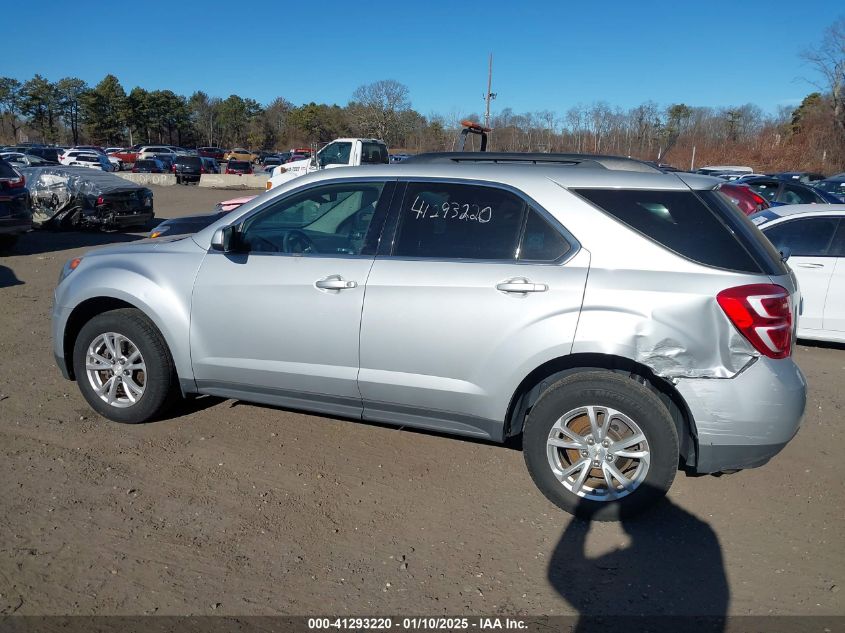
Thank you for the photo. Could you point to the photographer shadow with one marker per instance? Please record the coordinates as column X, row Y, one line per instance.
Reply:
column 671, row 577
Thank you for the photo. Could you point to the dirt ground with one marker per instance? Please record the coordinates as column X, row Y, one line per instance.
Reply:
column 230, row 508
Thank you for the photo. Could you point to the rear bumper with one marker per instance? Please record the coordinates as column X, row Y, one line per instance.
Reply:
column 744, row 421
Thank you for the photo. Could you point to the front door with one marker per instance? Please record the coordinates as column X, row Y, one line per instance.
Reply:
column 278, row 320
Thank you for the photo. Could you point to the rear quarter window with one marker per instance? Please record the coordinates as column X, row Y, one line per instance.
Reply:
column 709, row 233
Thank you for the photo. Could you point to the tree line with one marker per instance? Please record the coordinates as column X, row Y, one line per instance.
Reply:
column 808, row 137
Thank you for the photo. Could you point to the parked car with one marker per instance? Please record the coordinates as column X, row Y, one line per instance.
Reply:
column 804, row 177
column 15, row 214
column 743, row 197
column 212, row 152
column 166, row 159
column 48, row 153
column 92, row 161
column 71, row 197
column 148, row 166
column 211, row 165
column 70, row 157
column 188, row 169
column 240, row 154
column 813, row 238
column 156, row 151
column 271, row 160
column 25, row 160
column 239, row 167
column 127, row 155
column 778, row 192
column 618, row 318
column 834, row 186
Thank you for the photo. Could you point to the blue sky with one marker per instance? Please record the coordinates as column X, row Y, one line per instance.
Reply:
column 547, row 55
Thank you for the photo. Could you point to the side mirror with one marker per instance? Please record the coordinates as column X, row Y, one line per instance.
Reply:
column 224, row 239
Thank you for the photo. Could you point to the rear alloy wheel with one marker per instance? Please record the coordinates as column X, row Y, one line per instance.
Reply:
column 601, row 445
column 124, row 368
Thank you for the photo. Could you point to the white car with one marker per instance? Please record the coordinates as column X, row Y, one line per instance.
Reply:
column 151, row 151
column 813, row 238
column 92, row 160
column 72, row 157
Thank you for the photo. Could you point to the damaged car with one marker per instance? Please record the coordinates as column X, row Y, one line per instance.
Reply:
column 621, row 321
column 76, row 197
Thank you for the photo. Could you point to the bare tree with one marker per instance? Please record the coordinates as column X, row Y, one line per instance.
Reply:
column 829, row 61
column 377, row 107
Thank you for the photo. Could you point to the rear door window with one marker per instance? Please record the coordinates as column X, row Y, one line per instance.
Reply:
column 459, row 221
column 808, row 237
column 541, row 242
column 374, row 153
column 681, row 222
column 797, row 195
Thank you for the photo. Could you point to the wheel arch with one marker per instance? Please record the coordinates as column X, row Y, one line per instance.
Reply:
column 548, row 373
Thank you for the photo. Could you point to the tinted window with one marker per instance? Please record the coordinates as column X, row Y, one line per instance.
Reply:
column 333, row 220
column 374, row 153
column 541, row 242
column 681, row 222
column 810, row 237
column 193, row 161
column 449, row 221
column 6, row 170
column 797, row 195
column 769, row 190
column 238, row 164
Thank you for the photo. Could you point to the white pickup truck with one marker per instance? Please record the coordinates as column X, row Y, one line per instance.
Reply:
column 341, row 152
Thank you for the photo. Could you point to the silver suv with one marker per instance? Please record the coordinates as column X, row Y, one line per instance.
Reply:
column 622, row 320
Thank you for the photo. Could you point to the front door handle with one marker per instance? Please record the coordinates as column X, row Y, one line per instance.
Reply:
column 335, row 282
column 809, row 265
column 520, row 285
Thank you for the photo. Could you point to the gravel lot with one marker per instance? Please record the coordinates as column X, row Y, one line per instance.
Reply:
column 231, row 508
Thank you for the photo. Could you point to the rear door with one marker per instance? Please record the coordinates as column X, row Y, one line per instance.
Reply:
column 834, row 309
column 475, row 284
column 809, row 241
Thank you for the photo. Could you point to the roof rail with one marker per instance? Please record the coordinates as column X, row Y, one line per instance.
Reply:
column 514, row 158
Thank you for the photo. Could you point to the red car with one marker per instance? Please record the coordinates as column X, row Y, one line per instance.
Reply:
column 743, row 197
column 126, row 155
column 238, row 167
column 212, row 152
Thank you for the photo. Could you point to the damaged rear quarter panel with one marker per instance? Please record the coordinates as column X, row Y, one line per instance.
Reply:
column 673, row 326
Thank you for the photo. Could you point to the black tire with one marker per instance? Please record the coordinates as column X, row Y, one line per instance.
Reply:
column 161, row 384
column 602, row 388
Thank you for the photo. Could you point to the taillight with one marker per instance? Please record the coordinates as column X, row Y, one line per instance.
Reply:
column 134, row 170
column 202, row 170
column 100, row 200
column 763, row 314
column 17, row 183
column 759, row 200
column 174, row 169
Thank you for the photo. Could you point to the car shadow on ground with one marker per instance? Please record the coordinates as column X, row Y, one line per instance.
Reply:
column 671, row 576
column 820, row 344
column 45, row 241
column 8, row 278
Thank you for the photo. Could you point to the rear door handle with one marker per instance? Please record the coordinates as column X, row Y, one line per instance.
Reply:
column 521, row 285
column 810, row 265
column 335, row 282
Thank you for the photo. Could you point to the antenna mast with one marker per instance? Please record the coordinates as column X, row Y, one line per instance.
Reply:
column 490, row 95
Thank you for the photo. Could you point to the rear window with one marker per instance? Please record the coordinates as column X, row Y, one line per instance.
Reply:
column 6, row 170
column 238, row 164
column 374, row 153
column 193, row 161
column 711, row 233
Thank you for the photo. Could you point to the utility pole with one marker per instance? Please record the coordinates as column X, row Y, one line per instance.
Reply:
column 490, row 95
